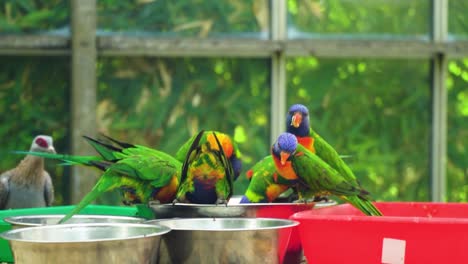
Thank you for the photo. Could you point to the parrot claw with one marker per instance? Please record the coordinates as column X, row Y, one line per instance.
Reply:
column 301, row 200
column 222, row 201
column 320, row 199
column 174, row 201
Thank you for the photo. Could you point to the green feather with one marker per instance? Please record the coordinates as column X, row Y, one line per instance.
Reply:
column 67, row 159
column 142, row 170
column 321, row 177
column 263, row 176
column 197, row 152
column 108, row 182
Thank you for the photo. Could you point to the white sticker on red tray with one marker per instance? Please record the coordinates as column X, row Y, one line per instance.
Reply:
column 393, row 251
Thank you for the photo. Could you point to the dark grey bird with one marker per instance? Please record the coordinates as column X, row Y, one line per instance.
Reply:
column 28, row 185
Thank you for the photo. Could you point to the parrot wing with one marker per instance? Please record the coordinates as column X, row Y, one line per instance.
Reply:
column 321, row 176
column 190, row 155
column 266, row 184
column 328, row 154
column 153, row 169
column 228, row 169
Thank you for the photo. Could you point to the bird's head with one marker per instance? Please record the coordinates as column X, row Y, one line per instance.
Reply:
column 43, row 143
column 297, row 120
column 284, row 147
column 225, row 142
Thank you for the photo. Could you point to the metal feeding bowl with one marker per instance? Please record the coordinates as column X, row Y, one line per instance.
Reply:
column 86, row 243
column 40, row 220
column 223, row 240
column 289, row 243
column 276, row 210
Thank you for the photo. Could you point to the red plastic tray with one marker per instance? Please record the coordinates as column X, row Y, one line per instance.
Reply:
column 409, row 232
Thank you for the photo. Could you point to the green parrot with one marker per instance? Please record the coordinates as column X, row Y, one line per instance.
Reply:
column 231, row 150
column 298, row 123
column 296, row 162
column 211, row 165
column 141, row 173
column 266, row 184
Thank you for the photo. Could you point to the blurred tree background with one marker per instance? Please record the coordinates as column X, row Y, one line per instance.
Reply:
column 377, row 111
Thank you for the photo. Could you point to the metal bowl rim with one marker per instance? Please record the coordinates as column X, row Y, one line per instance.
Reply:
column 192, row 205
column 161, row 230
column 287, row 223
column 12, row 219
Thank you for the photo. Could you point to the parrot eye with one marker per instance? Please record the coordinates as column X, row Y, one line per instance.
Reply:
column 42, row 143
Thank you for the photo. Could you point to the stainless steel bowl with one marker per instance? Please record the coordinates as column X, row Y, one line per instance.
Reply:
column 40, row 220
column 186, row 210
column 86, row 243
column 224, row 240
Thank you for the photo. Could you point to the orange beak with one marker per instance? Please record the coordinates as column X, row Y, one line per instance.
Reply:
column 296, row 119
column 284, row 157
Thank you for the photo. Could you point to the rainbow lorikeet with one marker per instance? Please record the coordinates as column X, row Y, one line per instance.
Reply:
column 231, row 150
column 294, row 161
column 211, row 165
column 141, row 173
column 298, row 123
column 266, row 184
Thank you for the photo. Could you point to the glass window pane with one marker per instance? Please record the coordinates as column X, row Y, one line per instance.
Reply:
column 458, row 23
column 195, row 18
column 375, row 111
column 358, row 18
column 160, row 103
column 34, row 16
column 457, row 133
column 34, row 101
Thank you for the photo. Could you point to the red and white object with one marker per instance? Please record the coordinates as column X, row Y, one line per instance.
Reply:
column 409, row 232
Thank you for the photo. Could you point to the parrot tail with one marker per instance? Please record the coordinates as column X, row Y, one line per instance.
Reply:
column 105, row 150
column 105, row 183
column 67, row 159
column 364, row 206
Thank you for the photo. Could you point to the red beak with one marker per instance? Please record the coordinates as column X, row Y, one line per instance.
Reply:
column 296, row 119
column 284, row 157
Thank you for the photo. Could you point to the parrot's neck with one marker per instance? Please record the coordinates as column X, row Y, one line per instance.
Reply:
column 302, row 131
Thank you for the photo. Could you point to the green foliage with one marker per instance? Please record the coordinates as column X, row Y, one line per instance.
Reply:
column 184, row 18
column 34, row 100
column 361, row 17
column 457, row 134
column 33, row 15
column 458, row 24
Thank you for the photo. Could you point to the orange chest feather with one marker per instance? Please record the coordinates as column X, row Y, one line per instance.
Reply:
column 285, row 170
column 274, row 190
column 167, row 193
column 307, row 142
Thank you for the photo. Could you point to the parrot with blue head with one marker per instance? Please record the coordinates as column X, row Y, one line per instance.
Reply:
column 298, row 123
column 294, row 161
